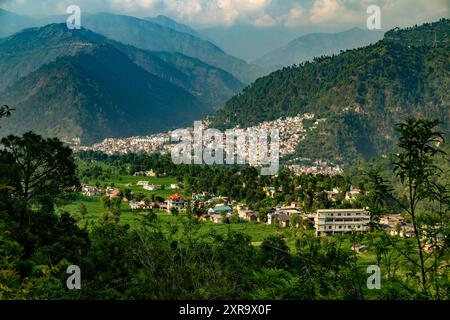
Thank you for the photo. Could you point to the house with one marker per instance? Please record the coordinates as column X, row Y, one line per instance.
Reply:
column 404, row 230
column 351, row 195
column 333, row 195
column 150, row 173
column 150, row 187
column 271, row 218
column 91, row 191
column 221, row 209
column 341, row 221
column 112, row 193
column 284, row 220
column 251, row 216
column 201, row 196
column 359, row 248
column 242, row 211
column 280, row 217
column 174, row 201
column 392, row 220
column 397, row 225
column 217, row 218
column 174, row 186
column 140, row 205
column 218, row 199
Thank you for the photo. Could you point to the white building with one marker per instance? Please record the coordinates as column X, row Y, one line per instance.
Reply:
column 150, row 187
column 340, row 221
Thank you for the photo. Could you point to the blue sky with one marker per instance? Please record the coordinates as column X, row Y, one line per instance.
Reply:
column 258, row 13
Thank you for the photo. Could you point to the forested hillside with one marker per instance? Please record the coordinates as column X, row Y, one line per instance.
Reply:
column 362, row 93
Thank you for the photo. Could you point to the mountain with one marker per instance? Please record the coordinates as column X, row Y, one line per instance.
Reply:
column 78, row 86
column 249, row 42
column 158, row 35
column 11, row 22
column 361, row 93
column 28, row 50
column 318, row 44
column 151, row 36
column 174, row 25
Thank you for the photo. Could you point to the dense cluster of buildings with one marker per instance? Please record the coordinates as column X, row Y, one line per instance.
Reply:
column 149, row 144
column 291, row 132
column 318, row 167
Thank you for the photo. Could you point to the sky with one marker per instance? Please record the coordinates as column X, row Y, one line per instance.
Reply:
column 256, row 13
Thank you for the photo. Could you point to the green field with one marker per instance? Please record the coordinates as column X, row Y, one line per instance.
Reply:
column 256, row 231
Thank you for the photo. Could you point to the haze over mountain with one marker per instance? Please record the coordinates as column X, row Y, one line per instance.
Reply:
column 361, row 93
column 174, row 25
column 148, row 35
column 249, row 42
column 27, row 51
column 79, row 84
column 318, row 44
column 11, row 22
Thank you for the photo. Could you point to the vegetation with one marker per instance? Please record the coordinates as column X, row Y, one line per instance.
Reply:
column 163, row 256
column 73, row 86
column 361, row 93
column 416, row 169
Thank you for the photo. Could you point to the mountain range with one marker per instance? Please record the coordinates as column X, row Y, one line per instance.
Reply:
column 148, row 34
column 121, row 76
column 315, row 45
column 173, row 89
column 362, row 93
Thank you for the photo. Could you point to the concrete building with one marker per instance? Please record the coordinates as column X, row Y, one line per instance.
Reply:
column 174, row 201
column 340, row 221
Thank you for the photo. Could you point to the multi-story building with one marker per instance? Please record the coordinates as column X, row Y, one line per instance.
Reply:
column 340, row 221
column 174, row 201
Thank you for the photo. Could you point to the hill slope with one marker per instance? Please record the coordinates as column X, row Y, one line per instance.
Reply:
column 362, row 93
column 94, row 92
column 318, row 44
column 28, row 50
column 11, row 22
column 151, row 36
column 172, row 24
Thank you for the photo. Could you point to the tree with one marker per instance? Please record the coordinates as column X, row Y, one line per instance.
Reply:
column 82, row 209
column 45, row 169
column 415, row 168
column 5, row 111
column 274, row 252
column 127, row 194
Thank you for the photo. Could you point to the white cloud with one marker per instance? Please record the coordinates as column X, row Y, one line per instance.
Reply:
column 220, row 12
column 295, row 17
column 265, row 21
column 339, row 11
column 261, row 13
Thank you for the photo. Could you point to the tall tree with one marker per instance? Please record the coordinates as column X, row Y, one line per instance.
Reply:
column 45, row 169
column 416, row 169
